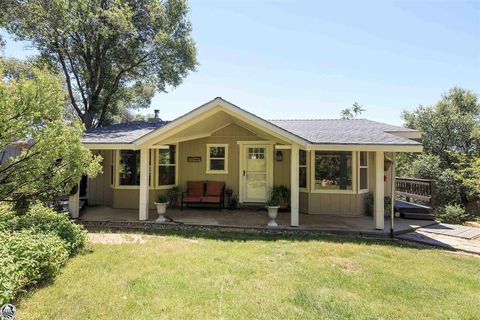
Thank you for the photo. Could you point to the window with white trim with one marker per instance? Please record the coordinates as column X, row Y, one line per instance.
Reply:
column 166, row 166
column 302, row 168
column 129, row 170
column 333, row 170
column 217, row 158
column 363, row 171
column 112, row 168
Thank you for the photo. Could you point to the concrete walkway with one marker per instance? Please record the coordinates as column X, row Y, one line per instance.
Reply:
column 448, row 236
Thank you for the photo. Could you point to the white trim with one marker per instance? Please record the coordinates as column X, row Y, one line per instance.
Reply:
column 379, row 211
column 306, row 165
column 365, row 147
column 359, row 167
column 294, row 189
column 408, row 134
column 113, row 157
column 225, row 159
column 333, row 191
column 109, row 146
column 143, row 205
column 116, row 179
column 158, row 186
column 282, row 147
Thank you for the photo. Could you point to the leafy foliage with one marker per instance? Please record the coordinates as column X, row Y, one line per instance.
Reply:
column 27, row 259
column 42, row 220
column 114, row 54
column 353, row 112
column 428, row 166
column 34, row 246
column 451, row 214
column 31, row 117
column 451, row 125
column 451, row 139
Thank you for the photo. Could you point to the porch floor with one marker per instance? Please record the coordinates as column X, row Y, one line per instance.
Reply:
column 245, row 218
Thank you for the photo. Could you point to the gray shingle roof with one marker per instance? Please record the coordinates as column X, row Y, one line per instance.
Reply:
column 121, row 133
column 340, row 131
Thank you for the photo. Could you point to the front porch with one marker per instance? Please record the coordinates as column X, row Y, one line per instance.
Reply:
column 252, row 219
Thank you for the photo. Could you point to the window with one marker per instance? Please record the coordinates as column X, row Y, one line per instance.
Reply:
column 302, row 177
column 217, row 158
column 363, row 171
column 256, row 153
column 166, row 166
column 333, row 170
column 112, row 171
column 129, row 170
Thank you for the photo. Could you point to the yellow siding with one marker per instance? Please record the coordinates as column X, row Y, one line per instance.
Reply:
column 99, row 190
column 337, row 204
column 304, row 202
column 281, row 169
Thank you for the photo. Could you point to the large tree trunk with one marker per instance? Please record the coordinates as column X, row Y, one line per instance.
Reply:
column 88, row 119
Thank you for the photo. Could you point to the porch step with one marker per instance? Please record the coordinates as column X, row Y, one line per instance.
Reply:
column 417, row 216
column 409, row 210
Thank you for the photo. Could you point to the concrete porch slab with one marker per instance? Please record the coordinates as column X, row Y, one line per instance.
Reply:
column 252, row 219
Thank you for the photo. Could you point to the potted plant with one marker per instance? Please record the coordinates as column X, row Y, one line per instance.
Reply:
column 161, row 204
column 282, row 195
column 172, row 196
column 272, row 209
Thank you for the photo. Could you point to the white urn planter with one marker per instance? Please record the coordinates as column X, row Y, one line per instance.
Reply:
column 272, row 214
column 161, row 209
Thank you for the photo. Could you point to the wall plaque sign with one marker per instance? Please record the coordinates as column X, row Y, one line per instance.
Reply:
column 194, row 159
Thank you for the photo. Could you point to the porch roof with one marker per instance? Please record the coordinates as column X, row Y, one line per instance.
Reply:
column 315, row 131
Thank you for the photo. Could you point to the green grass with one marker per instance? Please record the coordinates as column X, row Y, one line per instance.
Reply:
column 198, row 275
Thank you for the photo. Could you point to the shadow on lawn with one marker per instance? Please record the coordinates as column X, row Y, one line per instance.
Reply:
column 275, row 235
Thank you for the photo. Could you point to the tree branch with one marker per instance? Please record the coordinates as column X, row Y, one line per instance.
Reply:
column 69, row 84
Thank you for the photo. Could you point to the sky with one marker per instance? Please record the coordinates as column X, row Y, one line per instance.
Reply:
column 311, row 59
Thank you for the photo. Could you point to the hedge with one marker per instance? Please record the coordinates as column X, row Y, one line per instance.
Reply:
column 41, row 219
column 33, row 247
column 27, row 259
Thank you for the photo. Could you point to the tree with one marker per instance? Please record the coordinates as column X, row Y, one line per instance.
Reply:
column 451, row 126
column 31, row 113
column 114, row 54
column 451, row 140
column 353, row 112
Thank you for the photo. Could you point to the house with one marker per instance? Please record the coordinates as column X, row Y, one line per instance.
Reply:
column 330, row 166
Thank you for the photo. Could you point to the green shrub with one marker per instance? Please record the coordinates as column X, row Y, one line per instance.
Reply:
column 28, row 259
column 8, row 218
column 41, row 219
column 451, row 214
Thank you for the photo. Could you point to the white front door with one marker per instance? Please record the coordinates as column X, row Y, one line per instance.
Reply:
column 256, row 173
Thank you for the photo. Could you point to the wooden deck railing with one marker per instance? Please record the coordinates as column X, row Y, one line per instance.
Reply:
column 420, row 189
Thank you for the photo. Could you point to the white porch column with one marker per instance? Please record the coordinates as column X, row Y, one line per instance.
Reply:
column 379, row 191
column 74, row 204
column 294, row 189
column 144, row 174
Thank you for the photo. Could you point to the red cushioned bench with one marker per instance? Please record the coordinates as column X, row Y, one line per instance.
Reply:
column 210, row 192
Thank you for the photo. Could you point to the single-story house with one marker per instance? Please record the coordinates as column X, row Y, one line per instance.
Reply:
column 330, row 166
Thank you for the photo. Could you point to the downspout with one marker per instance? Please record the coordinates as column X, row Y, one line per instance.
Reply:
column 392, row 206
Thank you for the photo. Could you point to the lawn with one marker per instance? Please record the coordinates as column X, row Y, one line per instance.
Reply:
column 200, row 275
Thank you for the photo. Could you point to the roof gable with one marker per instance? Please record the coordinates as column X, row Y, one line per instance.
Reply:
column 301, row 132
